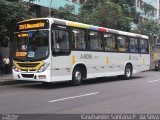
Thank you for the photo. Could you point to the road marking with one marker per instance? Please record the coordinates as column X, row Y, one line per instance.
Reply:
column 154, row 81
column 73, row 97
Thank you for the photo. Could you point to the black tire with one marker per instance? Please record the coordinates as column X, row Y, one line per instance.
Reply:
column 77, row 76
column 156, row 69
column 128, row 72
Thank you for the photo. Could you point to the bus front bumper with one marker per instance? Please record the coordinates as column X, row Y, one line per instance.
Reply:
column 32, row 76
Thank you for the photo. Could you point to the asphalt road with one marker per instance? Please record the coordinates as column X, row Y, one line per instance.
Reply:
column 141, row 94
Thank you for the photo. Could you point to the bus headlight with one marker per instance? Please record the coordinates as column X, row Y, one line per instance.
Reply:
column 15, row 68
column 44, row 67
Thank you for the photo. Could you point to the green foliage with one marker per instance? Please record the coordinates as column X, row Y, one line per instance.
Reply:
column 128, row 8
column 150, row 28
column 105, row 13
column 115, row 14
column 11, row 13
column 66, row 13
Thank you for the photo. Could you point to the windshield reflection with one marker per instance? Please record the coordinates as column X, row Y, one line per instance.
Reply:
column 33, row 45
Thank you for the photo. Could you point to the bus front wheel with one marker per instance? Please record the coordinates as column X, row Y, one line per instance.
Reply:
column 77, row 76
column 128, row 72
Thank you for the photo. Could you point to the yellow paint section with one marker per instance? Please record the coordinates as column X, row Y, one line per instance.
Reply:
column 107, row 60
column 155, row 56
column 39, row 64
column 143, row 62
column 73, row 60
column 74, row 24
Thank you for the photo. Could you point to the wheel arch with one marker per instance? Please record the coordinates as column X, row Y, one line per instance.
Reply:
column 129, row 63
column 83, row 67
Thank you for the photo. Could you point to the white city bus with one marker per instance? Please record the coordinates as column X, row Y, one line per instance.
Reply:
column 53, row 50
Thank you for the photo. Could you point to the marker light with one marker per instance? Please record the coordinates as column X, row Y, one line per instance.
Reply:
column 44, row 67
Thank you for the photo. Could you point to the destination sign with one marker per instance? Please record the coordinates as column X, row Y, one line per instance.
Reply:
column 32, row 25
column 23, row 35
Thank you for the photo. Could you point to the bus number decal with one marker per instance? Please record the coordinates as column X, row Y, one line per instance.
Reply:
column 86, row 56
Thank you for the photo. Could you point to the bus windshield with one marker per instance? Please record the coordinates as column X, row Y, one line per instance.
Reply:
column 32, row 45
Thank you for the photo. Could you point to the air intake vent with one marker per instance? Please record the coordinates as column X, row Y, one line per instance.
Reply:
column 27, row 75
column 28, row 64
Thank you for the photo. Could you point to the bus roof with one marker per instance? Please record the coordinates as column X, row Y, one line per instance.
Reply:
column 87, row 26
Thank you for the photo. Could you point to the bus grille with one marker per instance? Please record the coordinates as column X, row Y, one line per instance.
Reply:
column 28, row 64
column 27, row 75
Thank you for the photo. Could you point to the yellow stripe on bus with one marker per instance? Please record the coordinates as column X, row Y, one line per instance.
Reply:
column 107, row 60
column 143, row 61
column 74, row 24
column 73, row 60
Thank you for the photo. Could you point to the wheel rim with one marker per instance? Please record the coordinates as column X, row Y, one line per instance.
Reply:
column 78, row 75
column 128, row 72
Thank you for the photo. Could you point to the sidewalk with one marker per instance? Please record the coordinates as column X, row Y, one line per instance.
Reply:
column 6, row 77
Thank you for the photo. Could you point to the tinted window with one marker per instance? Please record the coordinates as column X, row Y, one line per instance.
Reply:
column 122, row 43
column 78, row 39
column 61, row 39
column 144, row 46
column 109, row 42
column 133, row 45
column 32, row 45
column 95, row 41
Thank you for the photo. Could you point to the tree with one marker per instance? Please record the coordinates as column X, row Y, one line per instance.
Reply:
column 129, row 9
column 66, row 13
column 105, row 13
column 11, row 13
column 149, row 25
column 150, row 28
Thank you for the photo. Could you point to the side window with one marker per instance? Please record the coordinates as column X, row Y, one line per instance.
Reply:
column 144, row 46
column 122, row 43
column 95, row 41
column 61, row 39
column 109, row 42
column 78, row 39
column 133, row 45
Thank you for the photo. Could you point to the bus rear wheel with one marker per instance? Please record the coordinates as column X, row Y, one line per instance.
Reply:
column 77, row 76
column 128, row 72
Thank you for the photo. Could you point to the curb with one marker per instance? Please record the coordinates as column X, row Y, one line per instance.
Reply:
column 12, row 82
column 7, row 82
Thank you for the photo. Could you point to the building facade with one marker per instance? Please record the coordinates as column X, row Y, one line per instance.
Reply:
column 40, row 8
column 148, row 9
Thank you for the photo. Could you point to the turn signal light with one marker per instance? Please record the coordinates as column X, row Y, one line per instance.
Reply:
column 42, row 76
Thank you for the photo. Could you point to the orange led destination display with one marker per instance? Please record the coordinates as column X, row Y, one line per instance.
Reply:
column 32, row 25
column 23, row 35
column 21, row 54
